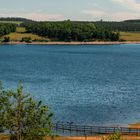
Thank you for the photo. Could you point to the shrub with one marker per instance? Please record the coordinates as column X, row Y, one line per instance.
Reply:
column 6, row 39
column 23, row 117
column 26, row 39
column 122, row 40
column 116, row 136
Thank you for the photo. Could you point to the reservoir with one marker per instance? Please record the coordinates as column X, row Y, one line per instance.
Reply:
column 83, row 84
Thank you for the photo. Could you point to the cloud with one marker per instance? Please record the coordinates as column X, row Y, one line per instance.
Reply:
column 130, row 4
column 39, row 16
column 95, row 13
column 130, row 9
column 43, row 17
column 123, row 16
column 116, row 16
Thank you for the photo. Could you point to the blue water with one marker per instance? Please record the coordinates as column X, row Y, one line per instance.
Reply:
column 84, row 84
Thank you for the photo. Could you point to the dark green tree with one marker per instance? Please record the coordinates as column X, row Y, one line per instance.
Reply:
column 26, row 39
column 72, row 31
column 6, row 28
column 6, row 39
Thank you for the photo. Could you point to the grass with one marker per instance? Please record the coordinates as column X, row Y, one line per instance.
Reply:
column 130, row 36
column 20, row 30
column 4, row 137
column 19, row 36
column 21, row 33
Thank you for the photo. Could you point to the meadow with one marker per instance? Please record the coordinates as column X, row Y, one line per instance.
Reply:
column 21, row 33
column 130, row 36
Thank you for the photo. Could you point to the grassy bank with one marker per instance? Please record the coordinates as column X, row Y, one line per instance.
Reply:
column 130, row 36
column 21, row 33
column 18, row 36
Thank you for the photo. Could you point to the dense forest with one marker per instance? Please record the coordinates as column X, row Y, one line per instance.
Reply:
column 126, row 26
column 6, row 28
column 72, row 31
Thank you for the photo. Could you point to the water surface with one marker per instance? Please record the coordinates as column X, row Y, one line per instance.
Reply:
column 84, row 84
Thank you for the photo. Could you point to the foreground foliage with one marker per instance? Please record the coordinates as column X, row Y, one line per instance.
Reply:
column 23, row 117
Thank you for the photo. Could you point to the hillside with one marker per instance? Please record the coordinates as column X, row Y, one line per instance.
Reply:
column 21, row 33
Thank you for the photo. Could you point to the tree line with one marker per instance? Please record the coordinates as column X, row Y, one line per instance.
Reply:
column 6, row 28
column 71, row 31
column 16, row 19
column 126, row 26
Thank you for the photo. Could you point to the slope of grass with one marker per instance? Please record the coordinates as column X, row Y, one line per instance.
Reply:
column 21, row 33
column 130, row 36
column 19, row 36
column 20, row 30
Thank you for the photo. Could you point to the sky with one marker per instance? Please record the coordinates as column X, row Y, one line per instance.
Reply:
column 85, row 10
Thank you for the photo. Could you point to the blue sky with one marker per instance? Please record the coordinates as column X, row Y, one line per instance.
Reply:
column 71, row 9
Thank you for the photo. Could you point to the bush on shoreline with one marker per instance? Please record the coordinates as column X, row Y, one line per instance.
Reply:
column 26, row 39
column 6, row 39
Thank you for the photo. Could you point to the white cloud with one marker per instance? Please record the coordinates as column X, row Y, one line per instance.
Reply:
column 95, row 13
column 123, row 16
column 39, row 16
column 131, row 4
column 44, row 17
column 116, row 16
column 131, row 10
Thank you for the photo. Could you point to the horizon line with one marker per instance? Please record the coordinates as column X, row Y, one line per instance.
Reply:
column 69, row 19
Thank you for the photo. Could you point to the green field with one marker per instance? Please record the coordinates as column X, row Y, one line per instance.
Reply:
column 21, row 33
column 130, row 36
column 19, row 36
column 20, row 30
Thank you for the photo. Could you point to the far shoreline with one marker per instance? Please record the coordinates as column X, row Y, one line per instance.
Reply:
column 72, row 43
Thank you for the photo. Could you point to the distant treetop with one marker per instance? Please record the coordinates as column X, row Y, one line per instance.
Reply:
column 14, row 19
